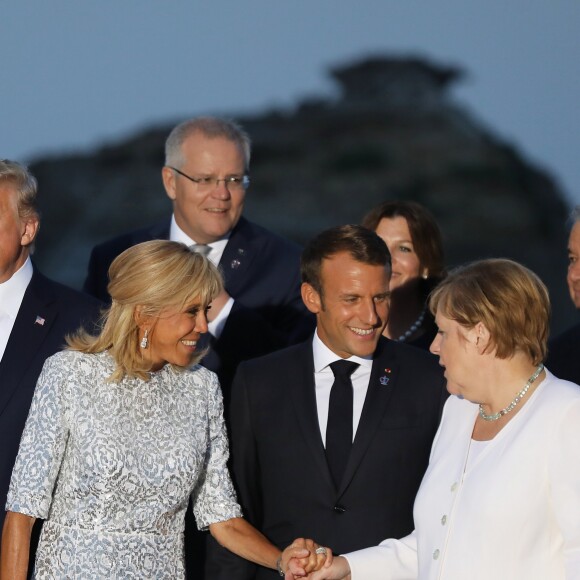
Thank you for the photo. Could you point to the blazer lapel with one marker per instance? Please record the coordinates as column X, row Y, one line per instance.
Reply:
column 383, row 381
column 303, row 396
column 237, row 257
column 31, row 327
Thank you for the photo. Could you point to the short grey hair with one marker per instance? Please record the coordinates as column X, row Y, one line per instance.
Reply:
column 209, row 127
column 25, row 184
column 574, row 216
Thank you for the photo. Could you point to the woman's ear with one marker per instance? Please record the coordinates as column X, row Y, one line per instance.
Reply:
column 141, row 319
column 480, row 337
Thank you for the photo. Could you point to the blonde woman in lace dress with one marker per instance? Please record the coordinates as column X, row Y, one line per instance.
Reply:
column 123, row 429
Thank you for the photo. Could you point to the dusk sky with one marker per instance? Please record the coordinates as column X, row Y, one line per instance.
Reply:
column 78, row 75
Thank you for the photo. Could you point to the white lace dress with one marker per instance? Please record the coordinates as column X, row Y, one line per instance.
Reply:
column 111, row 468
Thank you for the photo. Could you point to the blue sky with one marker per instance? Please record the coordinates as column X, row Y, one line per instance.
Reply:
column 77, row 75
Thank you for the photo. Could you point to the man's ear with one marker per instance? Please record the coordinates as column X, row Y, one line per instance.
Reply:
column 30, row 229
column 311, row 298
column 168, row 176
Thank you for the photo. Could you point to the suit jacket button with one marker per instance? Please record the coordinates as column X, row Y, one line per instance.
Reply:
column 339, row 509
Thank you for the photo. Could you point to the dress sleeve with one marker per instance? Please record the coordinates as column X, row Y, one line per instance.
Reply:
column 390, row 560
column 565, row 486
column 42, row 445
column 215, row 499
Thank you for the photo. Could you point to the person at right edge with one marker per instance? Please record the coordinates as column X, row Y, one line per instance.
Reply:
column 564, row 350
column 330, row 438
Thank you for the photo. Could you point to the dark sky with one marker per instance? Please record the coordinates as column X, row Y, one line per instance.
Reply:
column 78, row 74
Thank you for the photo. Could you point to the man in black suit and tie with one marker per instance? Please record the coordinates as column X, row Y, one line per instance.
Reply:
column 206, row 177
column 35, row 313
column 330, row 438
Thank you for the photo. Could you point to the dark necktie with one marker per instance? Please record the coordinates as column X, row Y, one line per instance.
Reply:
column 339, row 426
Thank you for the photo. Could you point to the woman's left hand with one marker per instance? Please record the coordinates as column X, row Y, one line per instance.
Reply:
column 304, row 556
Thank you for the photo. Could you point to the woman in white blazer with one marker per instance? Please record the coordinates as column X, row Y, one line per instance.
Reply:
column 501, row 497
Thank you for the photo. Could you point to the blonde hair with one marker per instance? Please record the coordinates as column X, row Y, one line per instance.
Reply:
column 510, row 300
column 25, row 185
column 155, row 276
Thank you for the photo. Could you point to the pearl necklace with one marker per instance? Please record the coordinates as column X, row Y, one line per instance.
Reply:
column 417, row 324
column 515, row 402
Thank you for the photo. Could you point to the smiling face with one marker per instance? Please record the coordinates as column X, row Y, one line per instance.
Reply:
column 209, row 215
column 405, row 261
column 457, row 350
column 573, row 277
column 173, row 336
column 353, row 309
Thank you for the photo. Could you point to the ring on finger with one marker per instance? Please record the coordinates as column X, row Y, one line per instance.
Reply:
column 320, row 550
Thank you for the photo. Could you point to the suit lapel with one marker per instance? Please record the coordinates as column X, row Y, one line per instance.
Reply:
column 31, row 327
column 303, row 396
column 237, row 257
column 383, row 381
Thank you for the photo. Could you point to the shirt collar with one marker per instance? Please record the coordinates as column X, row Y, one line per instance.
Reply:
column 176, row 234
column 323, row 356
column 12, row 291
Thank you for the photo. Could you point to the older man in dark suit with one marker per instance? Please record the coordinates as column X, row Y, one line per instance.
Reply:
column 330, row 438
column 206, row 177
column 35, row 313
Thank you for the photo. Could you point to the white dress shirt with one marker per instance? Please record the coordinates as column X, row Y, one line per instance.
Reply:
column 324, row 378
column 176, row 234
column 11, row 295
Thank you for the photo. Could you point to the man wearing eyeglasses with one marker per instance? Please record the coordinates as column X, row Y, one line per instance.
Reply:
column 206, row 177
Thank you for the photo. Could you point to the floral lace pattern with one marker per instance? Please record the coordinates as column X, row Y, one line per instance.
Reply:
column 111, row 466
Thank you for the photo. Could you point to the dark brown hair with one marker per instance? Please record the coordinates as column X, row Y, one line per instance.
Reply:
column 361, row 243
column 425, row 233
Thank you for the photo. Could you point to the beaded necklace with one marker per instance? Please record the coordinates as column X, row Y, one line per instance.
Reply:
column 417, row 324
column 515, row 402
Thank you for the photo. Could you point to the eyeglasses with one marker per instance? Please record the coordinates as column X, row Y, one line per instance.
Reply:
column 209, row 183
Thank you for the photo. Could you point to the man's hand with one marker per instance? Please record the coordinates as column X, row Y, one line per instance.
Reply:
column 298, row 566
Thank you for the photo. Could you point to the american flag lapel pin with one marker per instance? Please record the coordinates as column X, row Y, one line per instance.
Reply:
column 39, row 320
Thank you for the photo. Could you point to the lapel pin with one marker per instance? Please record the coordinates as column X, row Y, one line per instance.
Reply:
column 235, row 264
column 39, row 320
column 241, row 251
column 384, row 380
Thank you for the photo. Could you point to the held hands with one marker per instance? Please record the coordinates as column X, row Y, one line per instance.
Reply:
column 303, row 557
column 337, row 569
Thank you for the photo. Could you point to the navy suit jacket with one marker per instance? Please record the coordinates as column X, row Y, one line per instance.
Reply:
column 261, row 272
column 49, row 311
column 564, row 355
column 279, row 462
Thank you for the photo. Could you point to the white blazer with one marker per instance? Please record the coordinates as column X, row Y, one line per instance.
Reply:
column 513, row 513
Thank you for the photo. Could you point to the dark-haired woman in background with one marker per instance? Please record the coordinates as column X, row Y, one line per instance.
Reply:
column 414, row 241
